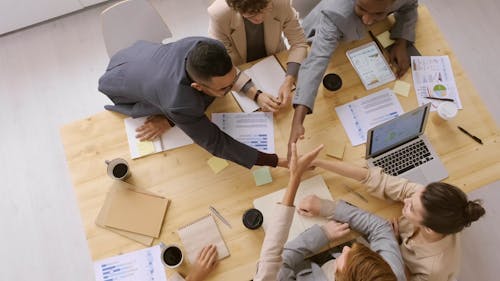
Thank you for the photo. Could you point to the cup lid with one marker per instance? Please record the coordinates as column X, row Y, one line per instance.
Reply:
column 253, row 219
column 447, row 110
column 332, row 82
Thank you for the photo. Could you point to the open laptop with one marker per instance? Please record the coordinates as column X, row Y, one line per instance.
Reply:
column 400, row 148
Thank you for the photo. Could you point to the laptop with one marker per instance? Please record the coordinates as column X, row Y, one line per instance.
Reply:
column 401, row 149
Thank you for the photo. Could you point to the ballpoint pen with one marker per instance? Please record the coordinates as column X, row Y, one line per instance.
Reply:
column 218, row 215
column 442, row 99
column 470, row 135
column 355, row 192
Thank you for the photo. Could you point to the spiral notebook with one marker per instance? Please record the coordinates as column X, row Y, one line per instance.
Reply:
column 200, row 233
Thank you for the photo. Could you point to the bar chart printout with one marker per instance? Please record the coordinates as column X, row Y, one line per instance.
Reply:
column 254, row 129
column 141, row 265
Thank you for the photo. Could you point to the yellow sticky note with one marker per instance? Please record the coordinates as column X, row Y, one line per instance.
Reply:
column 262, row 176
column 145, row 147
column 402, row 88
column 336, row 149
column 217, row 164
column 385, row 39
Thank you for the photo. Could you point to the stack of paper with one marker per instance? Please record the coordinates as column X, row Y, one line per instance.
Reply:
column 172, row 138
column 267, row 75
column 133, row 212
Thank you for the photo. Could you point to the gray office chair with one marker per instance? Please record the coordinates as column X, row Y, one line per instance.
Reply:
column 128, row 21
column 303, row 7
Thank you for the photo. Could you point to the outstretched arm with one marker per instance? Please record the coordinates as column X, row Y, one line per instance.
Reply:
column 270, row 260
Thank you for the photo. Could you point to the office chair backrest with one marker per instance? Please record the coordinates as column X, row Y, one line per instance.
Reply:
column 128, row 21
column 303, row 7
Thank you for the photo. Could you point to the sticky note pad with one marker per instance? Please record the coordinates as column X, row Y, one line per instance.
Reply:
column 145, row 147
column 217, row 164
column 336, row 149
column 262, row 176
column 385, row 39
column 402, row 88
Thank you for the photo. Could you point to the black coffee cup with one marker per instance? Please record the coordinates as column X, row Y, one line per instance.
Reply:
column 118, row 168
column 332, row 82
column 253, row 219
column 172, row 256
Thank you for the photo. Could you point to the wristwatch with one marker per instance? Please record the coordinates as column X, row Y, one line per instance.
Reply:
column 257, row 95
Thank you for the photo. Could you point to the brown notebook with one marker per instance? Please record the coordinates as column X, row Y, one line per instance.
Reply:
column 101, row 217
column 134, row 210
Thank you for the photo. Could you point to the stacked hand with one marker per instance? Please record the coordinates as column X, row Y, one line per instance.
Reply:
column 154, row 127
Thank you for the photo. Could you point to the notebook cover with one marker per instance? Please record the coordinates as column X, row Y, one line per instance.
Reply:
column 200, row 233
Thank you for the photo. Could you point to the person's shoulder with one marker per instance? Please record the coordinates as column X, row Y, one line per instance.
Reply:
column 219, row 10
column 343, row 8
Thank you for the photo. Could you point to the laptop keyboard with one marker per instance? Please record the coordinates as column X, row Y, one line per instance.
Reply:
column 404, row 159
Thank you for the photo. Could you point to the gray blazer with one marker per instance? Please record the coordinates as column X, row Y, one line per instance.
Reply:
column 150, row 79
column 332, row 21
column 378, row 232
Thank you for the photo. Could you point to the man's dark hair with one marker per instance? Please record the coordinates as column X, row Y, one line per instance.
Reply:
column 206, row 60
column 447, row 209
column 248, row 6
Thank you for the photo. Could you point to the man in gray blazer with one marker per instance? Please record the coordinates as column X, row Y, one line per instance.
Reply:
column 174, row 84
column 332, row 21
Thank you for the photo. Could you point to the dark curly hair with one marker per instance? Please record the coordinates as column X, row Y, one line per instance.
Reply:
column 248, row 6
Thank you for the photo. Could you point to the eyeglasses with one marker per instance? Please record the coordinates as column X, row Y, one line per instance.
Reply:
column 226, row 89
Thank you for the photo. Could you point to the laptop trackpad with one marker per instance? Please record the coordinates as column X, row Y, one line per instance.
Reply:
column 416, row 175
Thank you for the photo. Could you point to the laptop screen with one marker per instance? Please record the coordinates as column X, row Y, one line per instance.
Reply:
column 396, row 131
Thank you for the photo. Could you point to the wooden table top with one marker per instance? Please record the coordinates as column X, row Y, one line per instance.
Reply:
column 183, row 176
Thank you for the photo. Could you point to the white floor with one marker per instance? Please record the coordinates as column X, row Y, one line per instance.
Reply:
column 48, row 77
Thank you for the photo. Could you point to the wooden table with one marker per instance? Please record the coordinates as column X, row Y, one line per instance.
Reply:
column 183, row 175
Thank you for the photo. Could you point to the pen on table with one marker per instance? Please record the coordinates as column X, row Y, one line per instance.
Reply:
column 355, row 193
column 218, row 215
column 443, row 99
column 470, row 135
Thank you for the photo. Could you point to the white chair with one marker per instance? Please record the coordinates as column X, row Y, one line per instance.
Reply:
column 128, row 21
column 303, row 7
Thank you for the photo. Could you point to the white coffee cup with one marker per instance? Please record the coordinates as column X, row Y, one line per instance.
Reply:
column 118, row 168
column 447, row 110
column 171, row 255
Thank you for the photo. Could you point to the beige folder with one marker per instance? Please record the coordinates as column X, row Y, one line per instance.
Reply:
column 118, row 188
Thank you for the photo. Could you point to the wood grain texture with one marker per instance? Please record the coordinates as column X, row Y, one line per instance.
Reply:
column 183, row 176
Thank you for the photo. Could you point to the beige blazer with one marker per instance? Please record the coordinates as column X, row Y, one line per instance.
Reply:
column 437, row 261
column 227, row 26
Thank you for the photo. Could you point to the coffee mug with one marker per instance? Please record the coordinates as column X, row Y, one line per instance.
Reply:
column 118, row 168
column 171, row 256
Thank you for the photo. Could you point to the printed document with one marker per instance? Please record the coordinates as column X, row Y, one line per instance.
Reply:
column 433, row 77
column 172, row 138
column 267, row 75
column 361, row 115
column 254, row 129
column 143, row 264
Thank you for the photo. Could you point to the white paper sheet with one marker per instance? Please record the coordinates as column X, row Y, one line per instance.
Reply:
column 254, row 129
column 433, row 77
column 267, row 75
column 359, row 116
column 143, row 264
column 172, row 138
